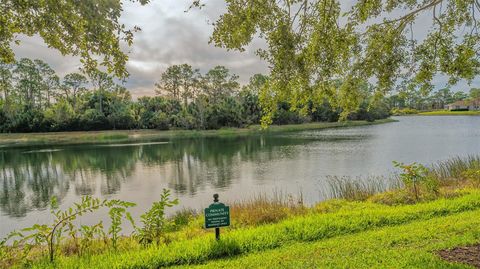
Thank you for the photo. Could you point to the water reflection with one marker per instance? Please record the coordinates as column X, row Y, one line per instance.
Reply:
column 31, row 177
column 236, row 168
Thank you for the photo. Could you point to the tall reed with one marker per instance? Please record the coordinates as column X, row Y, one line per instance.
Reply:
column 451, row 170
column 360, row 188
column 263, row 208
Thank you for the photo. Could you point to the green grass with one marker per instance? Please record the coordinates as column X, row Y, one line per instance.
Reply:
column 413, row 245
column 94, row 137
column 359, row 221
column 450, row 113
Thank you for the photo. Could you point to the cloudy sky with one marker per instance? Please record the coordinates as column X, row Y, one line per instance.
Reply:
column 169, row 36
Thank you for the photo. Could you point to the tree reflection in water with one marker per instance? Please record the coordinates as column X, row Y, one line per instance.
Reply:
column 30, row 177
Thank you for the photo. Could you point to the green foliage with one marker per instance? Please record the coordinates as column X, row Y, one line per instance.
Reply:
column 475, row 93
column 88, row 235
column 118, row 211
column 96, row 30
column 39, row 101
column 52, row 235
column 154, row 221
column 404, row 111
column 310, row 44
column 61, row 115
column 414, row 176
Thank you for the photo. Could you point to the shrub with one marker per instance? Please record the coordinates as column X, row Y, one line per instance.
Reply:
column 473, row 176
column 52, row 235
column 154, row 222
column 404, row 111
column 160, row 121
column 61, row 115
column 415, row 176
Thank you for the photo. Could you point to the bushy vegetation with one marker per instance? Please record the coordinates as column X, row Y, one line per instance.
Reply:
column 35, row 99
column 404, row 111
column 414, row 183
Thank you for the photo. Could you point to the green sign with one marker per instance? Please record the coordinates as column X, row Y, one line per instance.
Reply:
column 217, row 215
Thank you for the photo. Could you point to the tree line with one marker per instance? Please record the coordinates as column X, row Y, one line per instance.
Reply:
column 34, row 98
column 414, row 99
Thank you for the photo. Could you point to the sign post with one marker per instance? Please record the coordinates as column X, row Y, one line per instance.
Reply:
column 217, row 215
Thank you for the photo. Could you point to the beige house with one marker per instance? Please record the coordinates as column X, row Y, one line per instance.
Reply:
column 472, row 105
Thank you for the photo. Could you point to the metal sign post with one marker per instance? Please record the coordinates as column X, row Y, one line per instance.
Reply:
column 217, row 215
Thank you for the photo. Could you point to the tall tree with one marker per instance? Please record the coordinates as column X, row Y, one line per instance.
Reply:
column 179, row 82
column 218, row 83
column 73, row 85
column 170, row 82
column 6, row 82
column 475, row 93
column 256, row 83
column 29, row 82
column 458, row 96
column 87, row 28
column 311, row 43
column 102, row 82
column 50, row 81
column 190, row 79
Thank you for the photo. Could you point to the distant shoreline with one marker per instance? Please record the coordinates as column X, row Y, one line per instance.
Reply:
column 115, row 136
column 449, row 113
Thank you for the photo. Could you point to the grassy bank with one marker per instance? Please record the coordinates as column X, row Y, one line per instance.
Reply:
column 449, row 113
column 402, row 227
column 413, row 245
column 344, row 222
column 65, row 138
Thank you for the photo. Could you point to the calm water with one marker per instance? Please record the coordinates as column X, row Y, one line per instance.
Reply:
column 236, row 168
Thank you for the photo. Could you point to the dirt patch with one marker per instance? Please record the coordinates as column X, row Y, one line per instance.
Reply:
column 469, row 255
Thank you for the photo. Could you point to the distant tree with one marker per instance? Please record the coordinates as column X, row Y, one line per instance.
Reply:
column 6, row 82
column 460, row 95
column 218, row 83
column 179, row 82
column 170, row 82
column 50, row 81
column 87, row 28
column 475, row 93
column 256, row 83
column 60, row 115
column 73, row 85
column 249, row 98
column 101, row 82
column 29, row 82
column 190, row 79
column 445, row 96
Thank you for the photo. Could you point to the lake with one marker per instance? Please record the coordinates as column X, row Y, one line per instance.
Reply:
column 236, row 168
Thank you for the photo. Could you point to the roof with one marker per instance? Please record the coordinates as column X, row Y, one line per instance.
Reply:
column 460, row 103
column 474, row 102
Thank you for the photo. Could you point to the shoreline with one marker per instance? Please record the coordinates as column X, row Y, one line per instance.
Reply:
column 17, row 140
column 449, row 113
